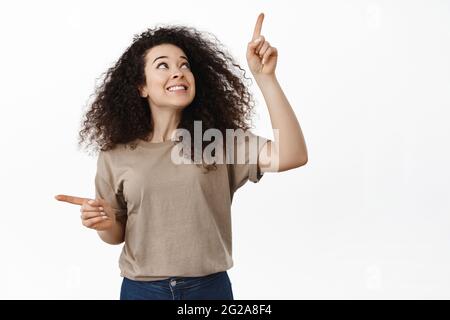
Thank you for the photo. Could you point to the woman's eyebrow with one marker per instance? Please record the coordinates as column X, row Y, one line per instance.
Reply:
column 167, row 57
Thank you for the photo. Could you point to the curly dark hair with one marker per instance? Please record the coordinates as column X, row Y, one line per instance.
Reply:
column 119, row 115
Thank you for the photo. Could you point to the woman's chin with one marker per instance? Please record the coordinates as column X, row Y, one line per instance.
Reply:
column 178, row 106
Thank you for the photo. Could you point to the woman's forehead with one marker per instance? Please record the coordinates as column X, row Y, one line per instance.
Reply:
column 169, row 50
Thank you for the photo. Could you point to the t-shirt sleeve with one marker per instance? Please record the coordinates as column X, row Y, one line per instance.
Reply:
column 245, row 169
column 107, row 188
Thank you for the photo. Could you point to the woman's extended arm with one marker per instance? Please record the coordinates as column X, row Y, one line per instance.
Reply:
column 288, row 151
column 98, row 215
column 115, row 234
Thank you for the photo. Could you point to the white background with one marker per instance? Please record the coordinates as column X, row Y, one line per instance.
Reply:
column 366, row 218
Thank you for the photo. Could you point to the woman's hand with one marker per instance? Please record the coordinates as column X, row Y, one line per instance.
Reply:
column 261, row 57
column 95, row 214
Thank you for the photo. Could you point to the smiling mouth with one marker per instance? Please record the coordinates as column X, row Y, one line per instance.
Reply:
column 177, row 88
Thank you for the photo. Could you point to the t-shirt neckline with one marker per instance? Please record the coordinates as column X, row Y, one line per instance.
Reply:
column 152, row 145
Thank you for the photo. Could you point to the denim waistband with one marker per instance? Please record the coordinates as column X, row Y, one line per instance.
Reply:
column 186, row 282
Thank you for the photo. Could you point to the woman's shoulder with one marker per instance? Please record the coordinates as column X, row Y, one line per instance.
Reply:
column 116, row 152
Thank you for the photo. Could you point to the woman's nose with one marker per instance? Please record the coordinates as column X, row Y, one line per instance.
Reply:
column 177, row 74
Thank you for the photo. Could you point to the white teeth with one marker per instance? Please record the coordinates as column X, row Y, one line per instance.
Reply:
column 175, row 88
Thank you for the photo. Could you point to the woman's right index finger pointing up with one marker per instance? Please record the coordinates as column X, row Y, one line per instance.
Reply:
column 258, row 26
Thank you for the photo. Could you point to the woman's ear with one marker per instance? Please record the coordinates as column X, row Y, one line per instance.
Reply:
column 142, row 92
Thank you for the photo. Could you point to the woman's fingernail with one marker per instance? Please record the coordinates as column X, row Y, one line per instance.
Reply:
column 91, row 201
column 257, row 40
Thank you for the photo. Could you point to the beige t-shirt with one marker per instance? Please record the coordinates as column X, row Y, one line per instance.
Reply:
column 178, row 219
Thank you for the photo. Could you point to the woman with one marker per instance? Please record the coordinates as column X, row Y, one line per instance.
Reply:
column 174, row 219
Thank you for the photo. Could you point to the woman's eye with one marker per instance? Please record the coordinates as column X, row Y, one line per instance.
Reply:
column 166, row 66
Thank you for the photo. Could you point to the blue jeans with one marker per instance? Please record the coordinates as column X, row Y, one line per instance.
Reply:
column 216, row 286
